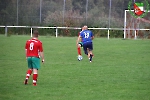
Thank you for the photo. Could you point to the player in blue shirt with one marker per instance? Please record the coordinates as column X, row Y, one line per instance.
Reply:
column 87, row 37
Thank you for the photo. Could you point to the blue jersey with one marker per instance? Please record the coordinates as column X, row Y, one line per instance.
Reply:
column 86, row 36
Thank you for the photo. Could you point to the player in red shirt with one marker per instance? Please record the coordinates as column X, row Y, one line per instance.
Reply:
column 33, row 50
column 79, row 45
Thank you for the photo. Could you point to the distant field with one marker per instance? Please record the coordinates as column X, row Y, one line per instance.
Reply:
column 120, row 70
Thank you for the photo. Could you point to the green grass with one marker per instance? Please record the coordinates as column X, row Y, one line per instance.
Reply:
column 120, row 70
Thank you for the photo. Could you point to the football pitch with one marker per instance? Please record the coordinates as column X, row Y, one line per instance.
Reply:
column 120, row 70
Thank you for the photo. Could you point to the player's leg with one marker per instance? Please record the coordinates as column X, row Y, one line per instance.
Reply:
column 36, row 66
column 29, row 71
column 90, row 53
column 85, row 49
column 35, row 76
column 79, row 48
column 88, row 47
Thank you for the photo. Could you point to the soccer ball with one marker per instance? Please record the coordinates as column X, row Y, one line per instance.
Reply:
column 80, row 58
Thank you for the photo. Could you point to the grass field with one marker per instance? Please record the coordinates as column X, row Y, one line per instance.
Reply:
column 120, row 70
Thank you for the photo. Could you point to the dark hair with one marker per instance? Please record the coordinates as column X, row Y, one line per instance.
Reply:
column 35, row 33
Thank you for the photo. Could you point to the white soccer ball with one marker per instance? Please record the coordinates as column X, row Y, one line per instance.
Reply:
column 80, row 58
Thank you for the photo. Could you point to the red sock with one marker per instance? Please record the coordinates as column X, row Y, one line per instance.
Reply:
column 79, row 51
column 35, row 78
column 29, row 72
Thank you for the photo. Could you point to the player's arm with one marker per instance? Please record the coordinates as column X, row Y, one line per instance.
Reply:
column 42, row 56
column 41, row 52
column 92, row 36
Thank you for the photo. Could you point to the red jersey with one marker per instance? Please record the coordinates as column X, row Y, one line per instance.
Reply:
column 33, row 47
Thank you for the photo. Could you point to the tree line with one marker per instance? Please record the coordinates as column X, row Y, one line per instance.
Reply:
column 71, row 13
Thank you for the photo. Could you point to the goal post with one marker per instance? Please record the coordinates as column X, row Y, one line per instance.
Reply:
column 136, row 27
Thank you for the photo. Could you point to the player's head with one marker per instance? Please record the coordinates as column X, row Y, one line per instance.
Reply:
column 85, row 27
column 35, row 34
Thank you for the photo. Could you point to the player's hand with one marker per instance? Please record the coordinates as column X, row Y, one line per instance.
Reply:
column 43, row 61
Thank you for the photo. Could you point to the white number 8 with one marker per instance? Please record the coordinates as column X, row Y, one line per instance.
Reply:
column 31, row 45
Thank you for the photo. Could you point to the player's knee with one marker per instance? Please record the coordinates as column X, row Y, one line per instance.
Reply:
column 79, row 45
column 31, row 69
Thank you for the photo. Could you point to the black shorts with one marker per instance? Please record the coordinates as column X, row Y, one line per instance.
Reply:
column 89, row 46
